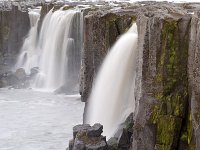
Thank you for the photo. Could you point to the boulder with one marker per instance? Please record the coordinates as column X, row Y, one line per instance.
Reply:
column 20, row 74
column 86, row 137
column 95, row 130
column 80, row 128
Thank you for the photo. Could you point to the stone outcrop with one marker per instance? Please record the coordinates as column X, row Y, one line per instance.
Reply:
column 86, row 137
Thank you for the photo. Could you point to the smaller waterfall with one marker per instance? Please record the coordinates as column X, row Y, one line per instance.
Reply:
column 28, row 56
column 55, row 50
column 54, row 42
column 112, row 98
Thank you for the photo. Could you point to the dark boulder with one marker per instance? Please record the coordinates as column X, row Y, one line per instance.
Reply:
column 95, row 130
column 80, row 128
column 20, row 74
column 86, row 137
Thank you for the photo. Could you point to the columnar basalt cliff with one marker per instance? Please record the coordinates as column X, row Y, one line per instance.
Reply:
column 167, row 93
column 160, row 120
column 193, row 75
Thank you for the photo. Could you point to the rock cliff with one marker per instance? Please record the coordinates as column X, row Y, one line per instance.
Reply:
column 14, row 26
column 167, row 93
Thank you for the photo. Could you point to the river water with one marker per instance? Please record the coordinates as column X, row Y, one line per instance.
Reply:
column 33, row 120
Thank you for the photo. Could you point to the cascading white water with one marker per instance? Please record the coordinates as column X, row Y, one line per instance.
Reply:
column 54, row 41
column 112, row 97
column 50, row 49
column 28, row 56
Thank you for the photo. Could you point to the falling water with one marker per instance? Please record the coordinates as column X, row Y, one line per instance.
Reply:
column 28, row 57
column 59, row 38
column 112, row 98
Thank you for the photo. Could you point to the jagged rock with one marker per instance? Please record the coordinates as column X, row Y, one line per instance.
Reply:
column 80, row 128
column 99, row 146
column 78, row 145
column 95, row 130
column 124, row 140
column 71, row 144
column 86, row 137
column 113, row 143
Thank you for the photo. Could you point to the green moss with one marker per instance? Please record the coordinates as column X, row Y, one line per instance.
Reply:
column 155, row 114
column 167, row 128
column 189, row 129
column 162, row 147
column 171, row 77
column 82, row 136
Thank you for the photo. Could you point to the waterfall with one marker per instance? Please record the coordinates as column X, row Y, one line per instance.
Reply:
column 112, row 98
column 59, row 37
column 28, row 56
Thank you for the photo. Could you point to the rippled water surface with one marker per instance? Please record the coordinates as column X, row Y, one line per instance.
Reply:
column 32, row 120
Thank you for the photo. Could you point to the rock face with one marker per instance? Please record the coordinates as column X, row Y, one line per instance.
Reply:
column 163, row 102
column 101, row 31
column 194, row 86
column 167, row 93
column 14, row 26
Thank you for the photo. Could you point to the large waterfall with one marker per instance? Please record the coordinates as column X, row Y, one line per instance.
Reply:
column 112, row 98
column 55, row 50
